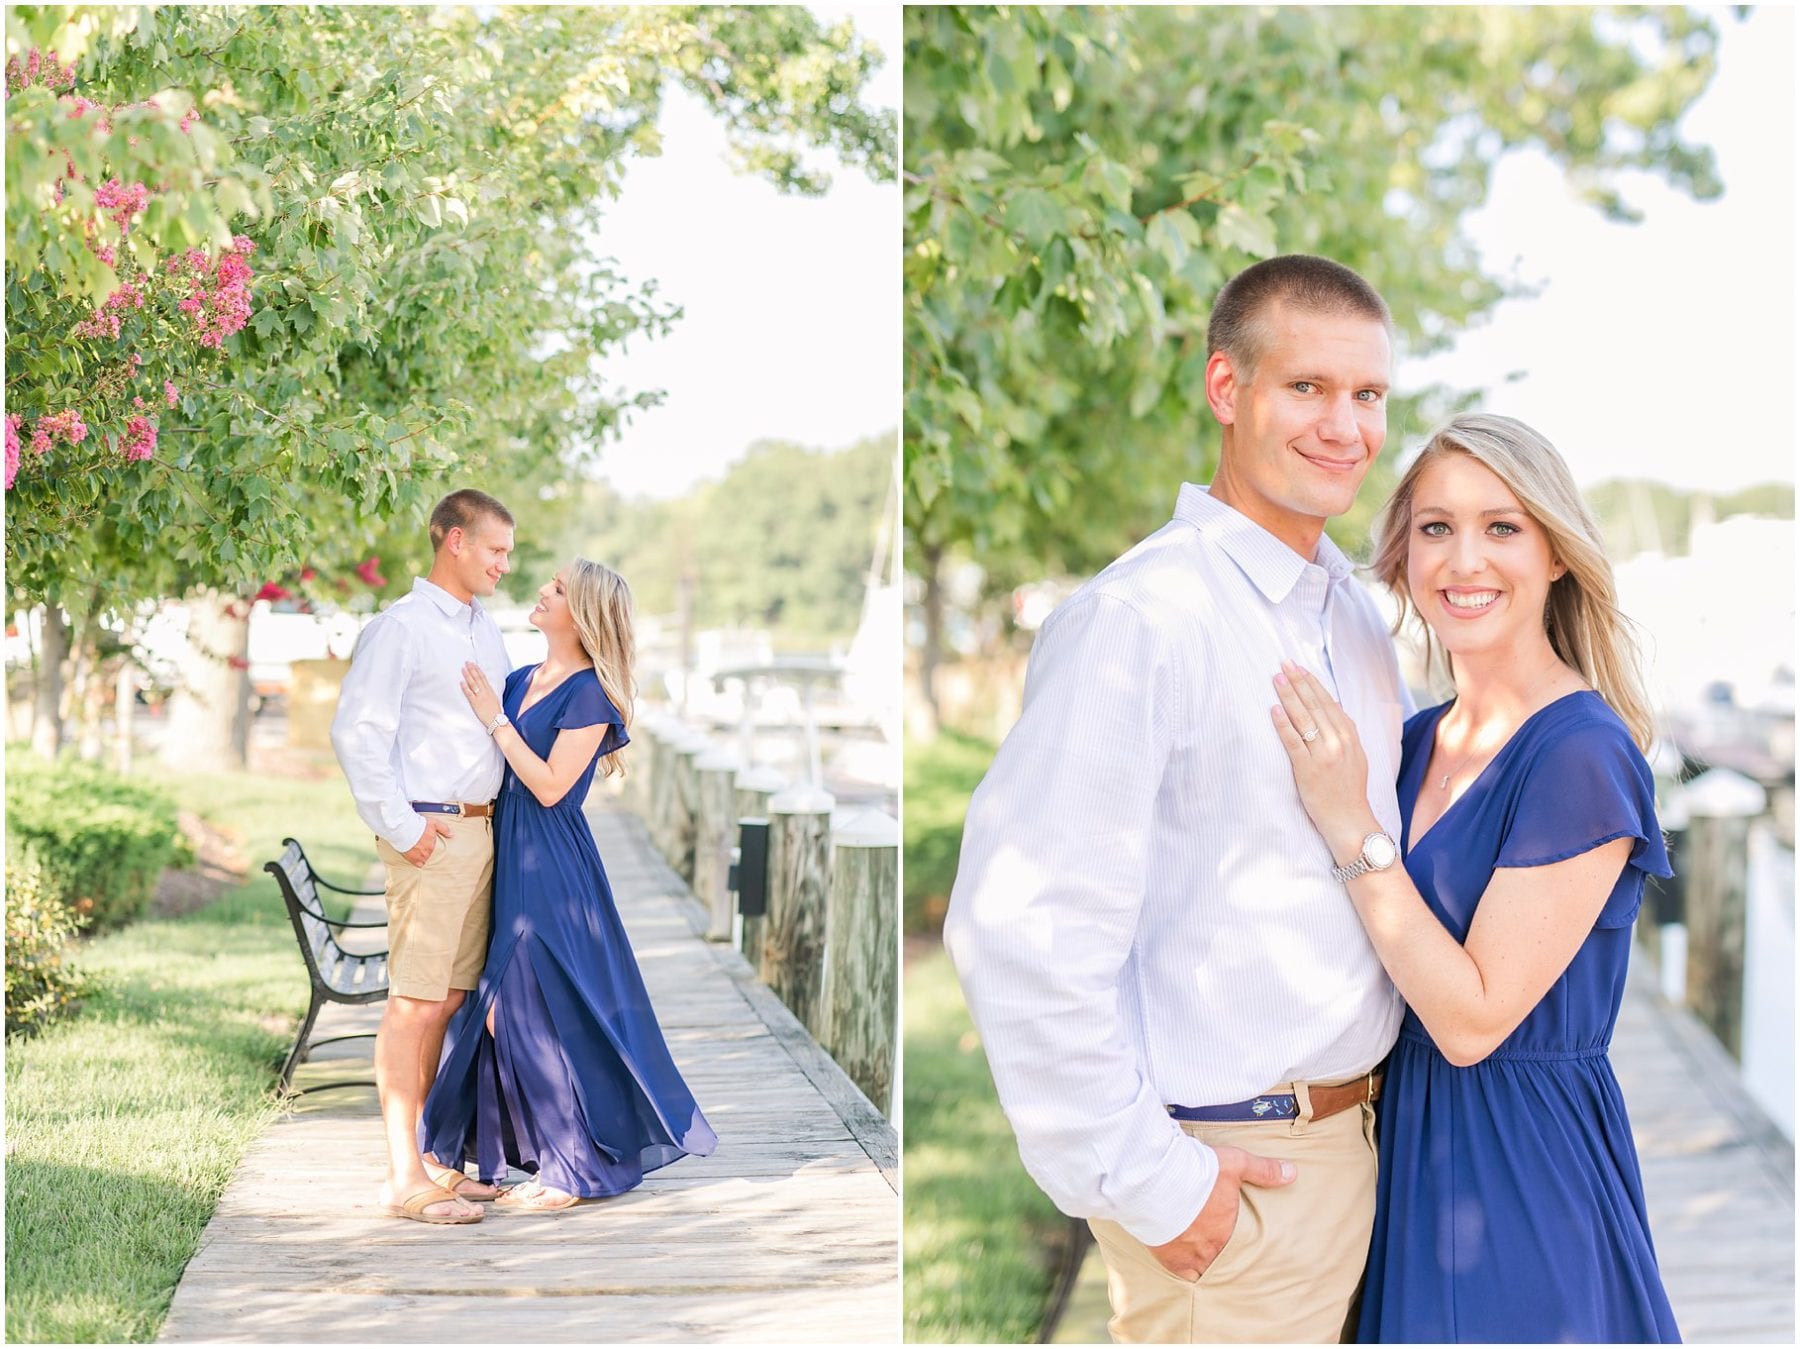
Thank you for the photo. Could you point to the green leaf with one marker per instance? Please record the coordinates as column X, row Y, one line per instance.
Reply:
column 1239, row 229
column 1035, row 215
column 1172, row 234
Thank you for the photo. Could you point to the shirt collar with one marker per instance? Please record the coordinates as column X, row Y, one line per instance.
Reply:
column 1271, row 565
column 446, row 603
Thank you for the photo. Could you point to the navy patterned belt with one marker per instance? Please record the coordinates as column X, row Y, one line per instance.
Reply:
column 474, row 810
column 1326, row 1102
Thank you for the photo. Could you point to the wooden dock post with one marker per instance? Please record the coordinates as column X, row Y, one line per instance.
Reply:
column 1662, row 921
column 1720, row 806
column 661, row 786
column 684, row 803
column 752, row 789
column 715, row 834
column 639, row 761
column 860, row 1000
column 792, row 960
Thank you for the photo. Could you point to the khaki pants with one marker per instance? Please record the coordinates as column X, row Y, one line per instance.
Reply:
column 1293, row 1267
column 438, row 914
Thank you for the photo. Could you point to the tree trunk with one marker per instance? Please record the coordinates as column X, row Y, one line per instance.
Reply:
column 124, row 714
column 209, row 712
column 91, row 692
column 53, row 650
column 933, row 652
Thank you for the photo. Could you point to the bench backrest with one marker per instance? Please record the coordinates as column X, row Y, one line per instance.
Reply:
column 318, row 943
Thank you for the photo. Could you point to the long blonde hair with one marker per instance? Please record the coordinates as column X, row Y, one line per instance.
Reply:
column 1582, row 618
column 600, row 605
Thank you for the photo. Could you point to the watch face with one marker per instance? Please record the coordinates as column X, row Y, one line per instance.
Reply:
column 1380, row 851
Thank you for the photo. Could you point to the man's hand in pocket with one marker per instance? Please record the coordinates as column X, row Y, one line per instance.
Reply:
column 420, row 853
column 1191, row 1254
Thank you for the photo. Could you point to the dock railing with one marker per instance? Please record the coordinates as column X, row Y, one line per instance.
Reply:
column 807, row 892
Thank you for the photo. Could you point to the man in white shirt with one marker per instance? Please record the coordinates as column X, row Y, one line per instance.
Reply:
column 425, row 772
column 1175, row 995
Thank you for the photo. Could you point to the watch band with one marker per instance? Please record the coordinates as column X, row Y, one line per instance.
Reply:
column 500, row 719
column 1362, row 863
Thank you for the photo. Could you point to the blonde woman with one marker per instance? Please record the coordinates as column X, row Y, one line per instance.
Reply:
column 557, row 1065
column 1510, row 1204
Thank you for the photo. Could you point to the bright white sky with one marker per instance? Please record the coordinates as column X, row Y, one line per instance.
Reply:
column 792, row 322
column 1665, row 349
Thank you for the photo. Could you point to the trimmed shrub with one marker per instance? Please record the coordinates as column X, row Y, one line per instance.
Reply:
column 98, row 841
column 41, row 984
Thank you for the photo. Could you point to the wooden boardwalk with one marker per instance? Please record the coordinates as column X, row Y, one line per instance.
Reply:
column 1718, row 1177
column 788, row 1232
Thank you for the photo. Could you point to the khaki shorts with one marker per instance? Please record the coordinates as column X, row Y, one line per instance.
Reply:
column 1292, row 1270
column 438, row 914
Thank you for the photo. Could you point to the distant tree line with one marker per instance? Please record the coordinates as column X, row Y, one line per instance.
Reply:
column 784, row 540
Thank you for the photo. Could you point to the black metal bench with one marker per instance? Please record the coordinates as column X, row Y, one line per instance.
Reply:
column 337, row 975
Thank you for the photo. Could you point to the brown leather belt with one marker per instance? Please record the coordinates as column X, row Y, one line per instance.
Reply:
column 1327, row 1100
column 474, row 810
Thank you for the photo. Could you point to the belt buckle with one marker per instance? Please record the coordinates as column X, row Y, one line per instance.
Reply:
column 453, row 808
column 1369, row 1087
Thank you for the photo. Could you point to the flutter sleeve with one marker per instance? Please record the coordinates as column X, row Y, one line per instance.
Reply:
column 1588, row 785
column 588, row 705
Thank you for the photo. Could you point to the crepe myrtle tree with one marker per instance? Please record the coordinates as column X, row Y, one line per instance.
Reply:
column 1080, row 181
column 280, row 276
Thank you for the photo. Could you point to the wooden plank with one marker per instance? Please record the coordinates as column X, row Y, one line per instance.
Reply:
column 269, row 1316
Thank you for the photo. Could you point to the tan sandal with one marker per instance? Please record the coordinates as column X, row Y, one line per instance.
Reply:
column 415, row 1204
column 453, row 1181
column 529, row 1197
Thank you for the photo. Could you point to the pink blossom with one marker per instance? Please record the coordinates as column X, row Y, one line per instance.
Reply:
column 187, row 118
column 170, row 393
column 370, row 573
column 140, row 437
column 66, row 424
column 106, row 320
column 78, row 106
column 122, row 200
column 12, row 448
column 24, row 74
column 40, row 439
column 137, row 359
column 224, row 308
column 108, row 255
column 138, row 401
column 271, row 591
column 308, row 574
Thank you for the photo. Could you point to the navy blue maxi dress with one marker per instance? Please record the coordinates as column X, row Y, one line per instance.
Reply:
column 576, row 1084
column 1510, row 1204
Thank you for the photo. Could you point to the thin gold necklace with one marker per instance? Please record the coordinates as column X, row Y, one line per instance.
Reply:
column 1444, row 781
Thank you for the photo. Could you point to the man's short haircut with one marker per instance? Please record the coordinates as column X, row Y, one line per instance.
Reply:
column 461, row 510
column 1310, row 284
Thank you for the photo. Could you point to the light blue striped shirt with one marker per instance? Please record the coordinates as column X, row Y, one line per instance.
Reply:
column 1143, row 913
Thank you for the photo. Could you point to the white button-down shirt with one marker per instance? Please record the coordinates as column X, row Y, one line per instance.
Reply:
column 1143, row 914
column 404, row 731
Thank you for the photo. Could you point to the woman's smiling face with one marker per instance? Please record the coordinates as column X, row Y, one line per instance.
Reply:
column 552, row 611
column 1478, row 566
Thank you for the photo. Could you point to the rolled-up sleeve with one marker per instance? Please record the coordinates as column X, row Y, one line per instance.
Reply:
column 1056, row 850
column 366, row 729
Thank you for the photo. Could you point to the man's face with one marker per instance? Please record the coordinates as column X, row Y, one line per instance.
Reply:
column 1309, row 421
column 482, row 555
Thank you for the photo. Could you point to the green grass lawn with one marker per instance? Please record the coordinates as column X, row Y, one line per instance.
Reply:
column 124, row 1123
column 980, row 1237
column 940, row 775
